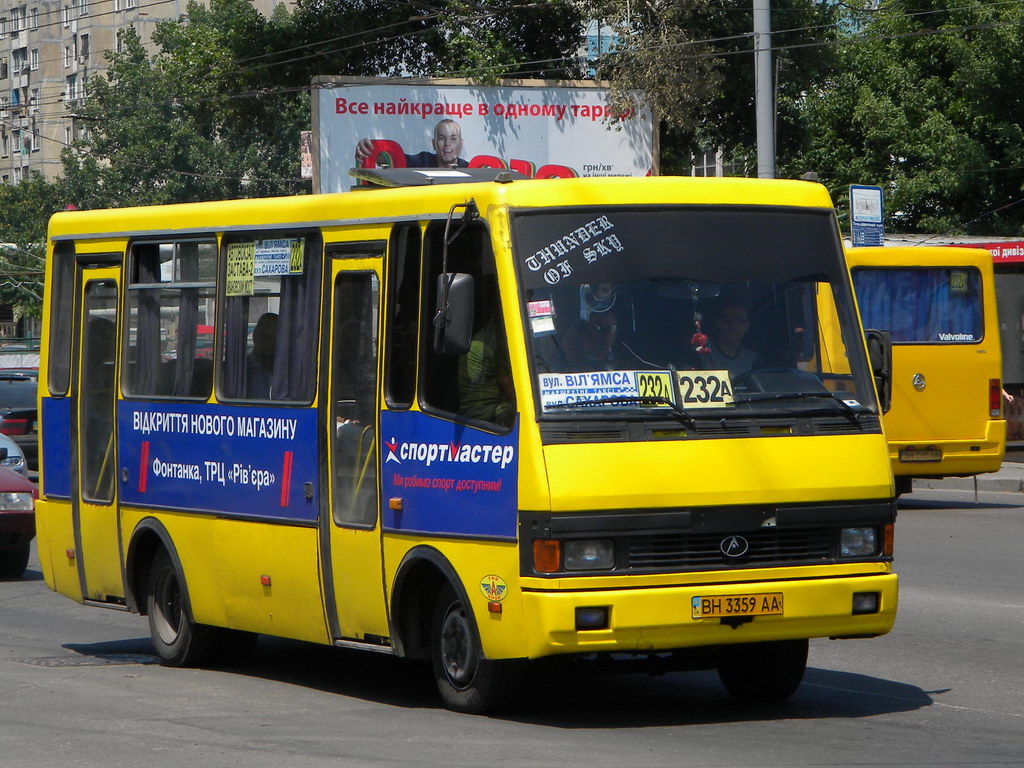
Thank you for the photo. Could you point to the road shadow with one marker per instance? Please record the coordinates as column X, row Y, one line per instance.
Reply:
column 28, row 575
column 557, row 694
column 911, row 503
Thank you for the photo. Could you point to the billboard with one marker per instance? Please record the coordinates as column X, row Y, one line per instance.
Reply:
column 541, row 129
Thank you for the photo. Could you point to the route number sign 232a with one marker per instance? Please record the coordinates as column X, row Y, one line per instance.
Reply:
column 705, row 389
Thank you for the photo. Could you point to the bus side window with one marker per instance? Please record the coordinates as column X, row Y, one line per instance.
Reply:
column 477, row 385
column 356, row 296
column 404, row 291
column 170, row 301
column 61, row 298
column 271, row 316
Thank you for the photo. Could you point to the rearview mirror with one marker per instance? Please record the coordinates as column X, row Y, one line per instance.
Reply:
column 880, row 358
column 453, row 322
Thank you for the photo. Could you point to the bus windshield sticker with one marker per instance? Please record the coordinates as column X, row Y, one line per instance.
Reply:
column 241, row 260
column 705, row 389
column 594, row 239
column 298, row 252
column 558, row 389
column 277, row 257
column 958, row 281
column 542, row 317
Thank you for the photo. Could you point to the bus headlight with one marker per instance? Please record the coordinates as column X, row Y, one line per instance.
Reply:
column 588, row 555
column 859, row 542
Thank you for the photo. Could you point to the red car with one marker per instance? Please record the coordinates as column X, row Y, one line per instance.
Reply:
column 17, row 522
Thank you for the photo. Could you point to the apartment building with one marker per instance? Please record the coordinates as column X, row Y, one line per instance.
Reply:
column 48, row 50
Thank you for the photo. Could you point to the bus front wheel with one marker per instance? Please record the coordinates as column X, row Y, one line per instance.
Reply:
column 467, row 680
column 763, row 672
column 178, row 640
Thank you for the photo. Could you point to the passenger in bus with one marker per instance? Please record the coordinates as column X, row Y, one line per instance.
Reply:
column 729, row 327
column 485, row 386
column 260, row 363
column 592, row 345
column 447, row 144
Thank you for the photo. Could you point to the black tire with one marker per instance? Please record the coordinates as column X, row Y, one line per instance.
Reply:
column 178, row 640
column 468, row 682
column 763, row 672
column 13, row 562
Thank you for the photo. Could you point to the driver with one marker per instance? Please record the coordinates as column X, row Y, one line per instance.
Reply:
column 727, row 352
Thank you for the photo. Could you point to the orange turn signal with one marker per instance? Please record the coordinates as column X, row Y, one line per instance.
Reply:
column 888, row 539
column 547, row 555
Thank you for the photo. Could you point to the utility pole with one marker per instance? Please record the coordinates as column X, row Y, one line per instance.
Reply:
column 764, row 94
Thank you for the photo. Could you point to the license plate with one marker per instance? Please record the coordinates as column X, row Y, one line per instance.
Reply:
column 917, row 455
column 722, row 606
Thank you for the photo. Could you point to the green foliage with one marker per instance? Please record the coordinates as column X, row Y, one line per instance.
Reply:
column 218, row 111
column 926, row 103
column 694, row 61
column 24, row 210
column 190, row 123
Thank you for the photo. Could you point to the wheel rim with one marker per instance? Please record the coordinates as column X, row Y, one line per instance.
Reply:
column 167, row 605
column 458, row 654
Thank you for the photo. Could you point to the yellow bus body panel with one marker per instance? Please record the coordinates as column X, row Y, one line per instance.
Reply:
column 714, row 472
column 501, row 634
column 951, row 413
column 225, row 587
column 55, row 537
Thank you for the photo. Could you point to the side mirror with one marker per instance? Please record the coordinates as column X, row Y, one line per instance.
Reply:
column 453, row 322
column 880, row 358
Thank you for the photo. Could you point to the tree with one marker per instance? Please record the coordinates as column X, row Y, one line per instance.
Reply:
column 927, row 104
column 192, row 122
column 24, row 211
column 693, row 60
column 218, row 111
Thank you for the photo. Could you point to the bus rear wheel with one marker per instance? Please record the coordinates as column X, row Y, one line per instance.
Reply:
column 467, row 680
column 763, row 672
column 178, row 640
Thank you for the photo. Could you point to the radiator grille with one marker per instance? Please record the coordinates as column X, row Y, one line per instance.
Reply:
column 799, row 546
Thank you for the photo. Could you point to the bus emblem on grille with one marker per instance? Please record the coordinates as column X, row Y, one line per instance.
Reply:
column 734, row 546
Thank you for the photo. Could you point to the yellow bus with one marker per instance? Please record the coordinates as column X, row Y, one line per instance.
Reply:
column 939, row 304
column 471, row 419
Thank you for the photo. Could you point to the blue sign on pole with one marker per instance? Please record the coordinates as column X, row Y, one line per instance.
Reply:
column 866, row 215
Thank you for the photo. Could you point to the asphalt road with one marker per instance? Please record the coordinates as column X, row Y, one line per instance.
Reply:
column 78, row 686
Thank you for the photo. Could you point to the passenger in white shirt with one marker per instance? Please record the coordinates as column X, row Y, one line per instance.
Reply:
column 729, row 328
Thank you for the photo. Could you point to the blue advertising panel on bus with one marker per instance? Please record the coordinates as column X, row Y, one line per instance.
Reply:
column 56, row 446
column 249, row 461
column 452, row 478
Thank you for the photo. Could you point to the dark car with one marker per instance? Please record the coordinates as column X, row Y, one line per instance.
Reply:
column 17, row 522
column 18, row 411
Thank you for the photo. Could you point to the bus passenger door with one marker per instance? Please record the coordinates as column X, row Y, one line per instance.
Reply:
column 94, row 489
column 353, row 558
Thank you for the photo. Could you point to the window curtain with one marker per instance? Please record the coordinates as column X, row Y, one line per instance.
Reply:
column 147, row 336
column 188, row 315
column 917, row 305
column 294, row 375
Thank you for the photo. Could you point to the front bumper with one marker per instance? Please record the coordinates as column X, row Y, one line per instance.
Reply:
column 651, row 619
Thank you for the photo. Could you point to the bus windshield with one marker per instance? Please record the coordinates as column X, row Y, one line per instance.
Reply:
column 694, row 311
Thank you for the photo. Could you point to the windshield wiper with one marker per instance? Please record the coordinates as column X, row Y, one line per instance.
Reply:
column 677, row 410
column 848, row 410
